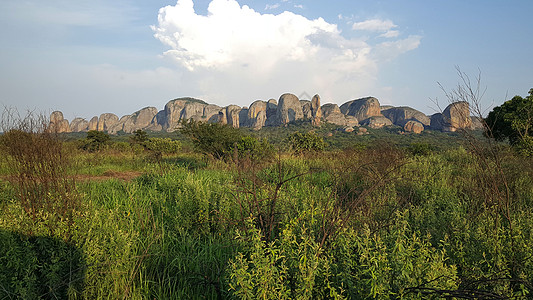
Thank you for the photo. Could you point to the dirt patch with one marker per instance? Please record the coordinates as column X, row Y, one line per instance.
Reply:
column 126, row 176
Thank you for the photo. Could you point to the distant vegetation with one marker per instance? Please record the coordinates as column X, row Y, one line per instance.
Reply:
column 295, row 212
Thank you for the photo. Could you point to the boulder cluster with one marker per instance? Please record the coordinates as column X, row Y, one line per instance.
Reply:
column 360, row 112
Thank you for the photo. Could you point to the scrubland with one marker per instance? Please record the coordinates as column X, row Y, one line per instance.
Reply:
column 411, row 217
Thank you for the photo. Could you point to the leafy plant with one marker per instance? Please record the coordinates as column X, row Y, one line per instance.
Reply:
column 214, row 139
column 163, row 145
column 95, row 140
column 306, row 142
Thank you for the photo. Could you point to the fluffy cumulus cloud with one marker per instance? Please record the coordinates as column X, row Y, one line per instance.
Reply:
column 236, row 54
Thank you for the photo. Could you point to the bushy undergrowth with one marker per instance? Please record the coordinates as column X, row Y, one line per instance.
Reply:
column 361, row 223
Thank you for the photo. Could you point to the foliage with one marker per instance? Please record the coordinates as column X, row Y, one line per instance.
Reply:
column 420, row 149
column 36, row 267
column 254, row 148
column 306, row 142
column 512, row 120
column 40, row 173
column 364, row 223
column 95, row 140
column 215, row 139
column 163, row 145
column 139, row 136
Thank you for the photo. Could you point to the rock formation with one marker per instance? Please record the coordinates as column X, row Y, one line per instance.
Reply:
column 401, row 115
column 413, row 126
column 232, row 113
column 456, row 116
column 289, row 109
column 316, row 111
column 332, row 114
column 362, row 109
column 376, row 122
column 79, row 125
column 257, row 114
column 58, row 123
column 138, row 120
column 477, row 124
column 106, row 121
column 93, row 123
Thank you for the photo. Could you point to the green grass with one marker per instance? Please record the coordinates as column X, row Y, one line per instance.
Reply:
column 366, row 222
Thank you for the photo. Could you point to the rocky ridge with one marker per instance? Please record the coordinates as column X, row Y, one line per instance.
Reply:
column 359, row 112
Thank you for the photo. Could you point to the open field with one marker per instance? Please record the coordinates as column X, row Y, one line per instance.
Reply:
column 377, row 216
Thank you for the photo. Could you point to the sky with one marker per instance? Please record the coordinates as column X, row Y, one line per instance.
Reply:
column 88, row 57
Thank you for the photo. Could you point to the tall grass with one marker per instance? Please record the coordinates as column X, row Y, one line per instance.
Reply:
column 354, row 224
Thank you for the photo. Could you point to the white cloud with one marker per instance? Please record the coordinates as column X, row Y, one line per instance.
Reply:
column 389, row 50
column 236, row 55
column 390, row 34
column 271, row 6
column 374, row 25
column 299, row 6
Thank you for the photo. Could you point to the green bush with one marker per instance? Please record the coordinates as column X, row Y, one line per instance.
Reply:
column 254, row 148
column 163, row 145
column 306, row 142
column 215, row 139
column 95, row 141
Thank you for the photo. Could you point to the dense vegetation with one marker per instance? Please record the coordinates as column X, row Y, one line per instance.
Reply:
column 274, row 214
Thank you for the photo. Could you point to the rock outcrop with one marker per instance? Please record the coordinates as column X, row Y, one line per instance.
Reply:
column 401, row 115
column 141, row 119
column 93, row 123
column 289, row 109
column 413, row 126
column 362, row 109
column 456, row 116
column 306, row 108
column 316, row 111
column 257, row 114
column 79, row 125
column 232, row 113
column 58, row 123
column 477, row 123
column 376, row 122
column 332, row 114
column 106, row 121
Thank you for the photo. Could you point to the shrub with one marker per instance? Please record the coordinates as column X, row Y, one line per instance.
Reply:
column 306, row 142
column 215, row 139
column 163, row 145
column 95, row 140
column 254, row 148
column 420, row 149
column 40, row 167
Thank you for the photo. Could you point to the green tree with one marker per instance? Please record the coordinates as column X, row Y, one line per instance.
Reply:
column 215, row 139
column 95, row 140
column 163, row 145
column 306, row 142
column 513, row 119
column 139, row 137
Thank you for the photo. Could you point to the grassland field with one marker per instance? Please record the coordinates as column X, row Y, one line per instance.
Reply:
column 379, row 216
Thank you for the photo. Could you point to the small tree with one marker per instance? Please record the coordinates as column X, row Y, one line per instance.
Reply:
column 95, row 140
column 162, row 145
column 306, row 142
column 215, row 139
column 513, row 120
column 139, row 137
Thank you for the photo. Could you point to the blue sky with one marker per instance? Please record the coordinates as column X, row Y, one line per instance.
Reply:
column 90, row 57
